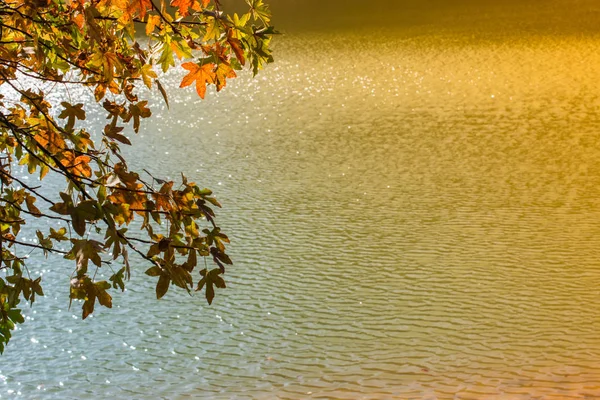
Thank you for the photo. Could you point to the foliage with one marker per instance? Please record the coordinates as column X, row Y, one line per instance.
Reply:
column 111, row 48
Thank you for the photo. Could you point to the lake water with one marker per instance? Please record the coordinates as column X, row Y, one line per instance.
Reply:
column 414, row 213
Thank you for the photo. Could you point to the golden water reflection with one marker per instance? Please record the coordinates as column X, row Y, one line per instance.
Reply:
column 413, row 217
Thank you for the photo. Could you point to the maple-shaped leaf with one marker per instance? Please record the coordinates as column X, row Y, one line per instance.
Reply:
column 71, row 112
column 166, row 59
column 201, row 74
column 153, row 22
column 181, row 49
column 259, row 10
column 185, row 5
column 147, row 75
column 132, row 9
column 213, row 30
column 143, row 6
column 113, row 132
column 137, row 111
column 79, row 165
column 51, row 140
column 223, row 72
column 209, row 280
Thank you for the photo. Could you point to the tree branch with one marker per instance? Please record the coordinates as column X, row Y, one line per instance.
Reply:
column 32, row 190
column 36, row 246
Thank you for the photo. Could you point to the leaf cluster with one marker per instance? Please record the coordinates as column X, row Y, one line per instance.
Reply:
column 112, row 48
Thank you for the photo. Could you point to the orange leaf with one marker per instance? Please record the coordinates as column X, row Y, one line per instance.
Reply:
column 185, row 5
column 163, row 197
column 79, row 21
column 81, row 166
column 51, row 140
column 143, row 6
column 201, row 74
column 77, row 165
column 132, row 9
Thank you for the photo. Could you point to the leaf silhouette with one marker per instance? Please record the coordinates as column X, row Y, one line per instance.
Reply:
column 71, row 112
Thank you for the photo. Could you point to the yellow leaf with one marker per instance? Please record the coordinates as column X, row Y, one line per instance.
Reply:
column 147, row 75
column 153, row 22
column 78, row 166
column 109, row 60
column 223, row 72
column 51, row 140
column 181, row 49
column 212, row 30
column 100, row 91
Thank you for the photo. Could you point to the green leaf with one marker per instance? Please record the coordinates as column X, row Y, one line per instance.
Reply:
column 16, row 316
column 259, row 10
column 88, row 210
column 181, row 278
column 60, row 208
column 102, row 285
column 181, row 49
column 212, row 30
column 166, row 59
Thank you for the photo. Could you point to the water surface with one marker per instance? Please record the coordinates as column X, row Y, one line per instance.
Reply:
column 413, row 216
